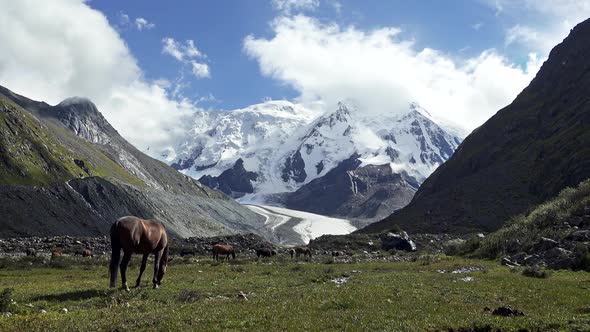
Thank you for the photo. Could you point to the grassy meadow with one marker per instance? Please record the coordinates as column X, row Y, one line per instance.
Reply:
column 283, row 295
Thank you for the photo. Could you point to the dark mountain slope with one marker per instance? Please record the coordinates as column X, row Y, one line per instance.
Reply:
column 523, row 155
column 65, row 170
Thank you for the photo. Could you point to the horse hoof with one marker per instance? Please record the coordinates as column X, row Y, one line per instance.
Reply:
column 156, row 286
column 126, row 288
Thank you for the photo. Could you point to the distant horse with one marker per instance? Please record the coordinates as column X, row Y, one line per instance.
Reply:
column 139, row 236
column 302, row 250
column 265, row 252
column 84, row 253
column 56, row 252
column 292, row 253
column 31, row 252
column 223, row 249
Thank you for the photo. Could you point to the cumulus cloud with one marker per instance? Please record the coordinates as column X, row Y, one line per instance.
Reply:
column 187, row 53
column 384, row 73
column 289, row 6
column 142, row 24
column 52, row 50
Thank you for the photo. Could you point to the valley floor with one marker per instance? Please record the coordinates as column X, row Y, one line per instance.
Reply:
column 284, row 295
column 291, row 227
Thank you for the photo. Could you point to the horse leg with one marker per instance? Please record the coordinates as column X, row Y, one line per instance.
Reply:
column 142, row 268
column 124, row 262
column 156, row 268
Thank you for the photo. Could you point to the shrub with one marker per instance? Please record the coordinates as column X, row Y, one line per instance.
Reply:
column 535, row 272
column 6, row 299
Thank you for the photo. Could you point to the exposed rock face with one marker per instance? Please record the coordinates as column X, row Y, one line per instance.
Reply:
column 234, row 182
column 395, row 241
column 294, row 168
column 367, row 192
column 65, row 170
column 523, row 155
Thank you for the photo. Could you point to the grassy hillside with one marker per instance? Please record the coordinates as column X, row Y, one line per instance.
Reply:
column 290, row 296
column 554, row 219
column 31, row 154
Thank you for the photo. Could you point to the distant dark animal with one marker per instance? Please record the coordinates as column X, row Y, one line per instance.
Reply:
column 302, row 250
column 31, row 252
column 292, row 253
column 223, row 249
column 135, row 235
column 336, row 253
column 87, row 253
column 265, row 252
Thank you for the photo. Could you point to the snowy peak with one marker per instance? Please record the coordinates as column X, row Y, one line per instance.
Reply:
column 288, row 145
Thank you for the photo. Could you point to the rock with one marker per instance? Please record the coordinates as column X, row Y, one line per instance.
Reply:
column 507, row 262
column 398, row 242
column 534, row 259
column 545, row 244
column 558, row 258
column 580, row 236
column 519, row 258
column 42, row 311
column 6, row 314
column 507, row 311
column 480, row 235
column 242, row 296
column 63, row 311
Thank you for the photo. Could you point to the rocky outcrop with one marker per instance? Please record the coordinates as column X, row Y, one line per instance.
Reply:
column 395, row 241
column 368, row 192
column 235, row 182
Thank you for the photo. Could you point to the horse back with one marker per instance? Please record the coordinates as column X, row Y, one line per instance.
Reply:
column 141, row 236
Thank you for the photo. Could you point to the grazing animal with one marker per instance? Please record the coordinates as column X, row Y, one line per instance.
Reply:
column 56, row 252
column 31, row 252
column 265, row 252
column 139, row 236
column 87, row 253
column 302, row 250
column 223, row 249
column 292, row 253
column 336, row 253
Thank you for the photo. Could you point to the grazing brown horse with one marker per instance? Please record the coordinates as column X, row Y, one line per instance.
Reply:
column 139, row 236
column 302, row 250
column 292, row 252
column 31, row 252
column 223, row 249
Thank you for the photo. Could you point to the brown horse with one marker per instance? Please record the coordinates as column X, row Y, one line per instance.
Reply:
column 135, row 235
column 265, row 252
column 292, row 252
column 302, row 250
column 56, row 252
column 223, row 249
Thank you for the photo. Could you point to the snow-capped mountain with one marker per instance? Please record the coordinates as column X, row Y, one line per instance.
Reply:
column 279, row 146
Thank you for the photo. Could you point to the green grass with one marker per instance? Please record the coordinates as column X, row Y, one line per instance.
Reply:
column 288, row 296
column 524, row 231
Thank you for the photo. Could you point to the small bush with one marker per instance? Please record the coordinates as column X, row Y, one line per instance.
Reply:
column 6, row 300
column 535, row 272
column 582, row 260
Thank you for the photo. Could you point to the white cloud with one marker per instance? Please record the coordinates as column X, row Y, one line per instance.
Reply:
column 289, row 6
column 52, row 50
column 142, row 24
column 186, row 53
column 477, row 26
column 383, row 72
column 542, row 23
column 200, row 70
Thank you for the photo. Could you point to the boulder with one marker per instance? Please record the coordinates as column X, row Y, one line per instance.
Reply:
column 558, row 258
column 545, row 244
column 396, row 241
column 507, row 311
column 580, row 236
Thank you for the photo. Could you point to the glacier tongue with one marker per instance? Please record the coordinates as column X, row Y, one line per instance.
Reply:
column 288, row 145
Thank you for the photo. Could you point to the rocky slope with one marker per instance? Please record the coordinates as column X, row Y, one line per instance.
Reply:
column 278, row 148
column 523, row 155
column 65, row 170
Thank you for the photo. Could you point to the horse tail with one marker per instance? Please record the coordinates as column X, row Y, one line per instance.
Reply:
column 233, row 254
column 115, row 253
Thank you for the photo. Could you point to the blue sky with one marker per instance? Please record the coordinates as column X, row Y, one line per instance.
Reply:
column 218, row 28
column 150, row 66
